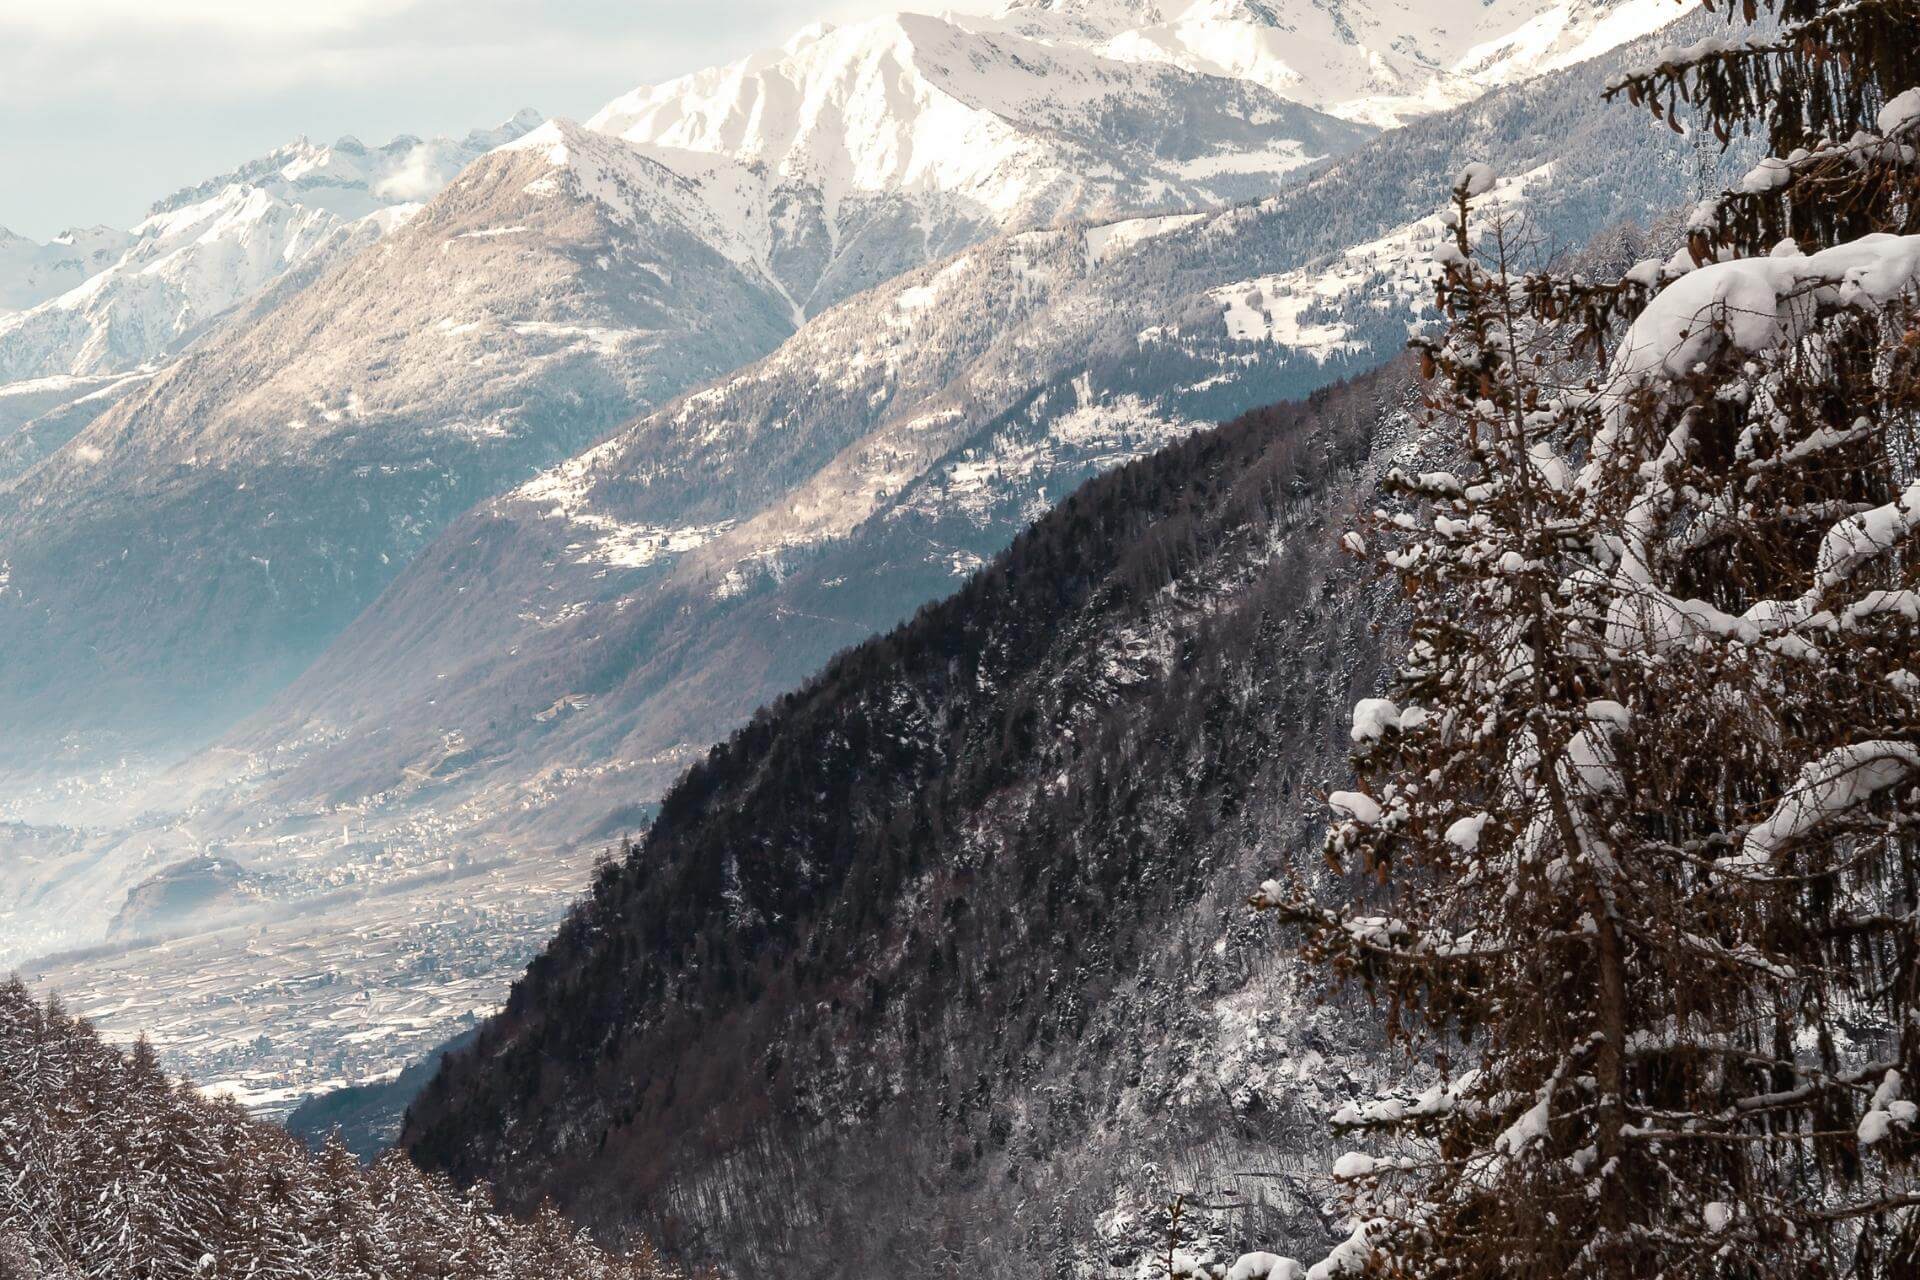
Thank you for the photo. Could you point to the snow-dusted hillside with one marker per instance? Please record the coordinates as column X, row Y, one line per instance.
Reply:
column 853, row 153
column 205, row 250
column 1380, row 61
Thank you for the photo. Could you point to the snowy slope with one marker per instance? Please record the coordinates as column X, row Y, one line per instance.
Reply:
column 1379, row 61
column 32, row 272
column 853, row 153
column 204, row 250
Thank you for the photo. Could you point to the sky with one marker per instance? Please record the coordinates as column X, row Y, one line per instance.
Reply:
column 108, row 105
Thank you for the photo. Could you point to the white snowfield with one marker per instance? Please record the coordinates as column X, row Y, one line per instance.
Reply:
column 1393, row 274
column 938, row 131
column 32, row 272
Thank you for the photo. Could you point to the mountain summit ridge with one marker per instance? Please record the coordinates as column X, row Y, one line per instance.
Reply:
column 203, row 251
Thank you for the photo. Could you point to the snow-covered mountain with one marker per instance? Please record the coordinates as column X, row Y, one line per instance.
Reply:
column 32, row 272
column 211, row 531
column 853, row 153
column 584, row 635
column 665, row 245
column 1380, row 61
column 144, row 293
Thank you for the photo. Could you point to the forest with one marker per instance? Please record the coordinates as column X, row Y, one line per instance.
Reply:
column 112, row 1170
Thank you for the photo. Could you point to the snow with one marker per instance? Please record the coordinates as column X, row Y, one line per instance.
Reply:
column 1853, row 542
column 1265, row 1266
column 1887, row 1111
column 1900, row 114
column 566, row 493
column 1348, row 1258
column 1837, row 782
column 203, row 252
column 1366, row 60
column 1717, row 1216
column 1363, row 809
column 1753, row 304
column 1372, row 717
column 1104, row 242
column 1464, row 834
column 996, row 111
column 1530, row 1128
column 1394, row 272
column 1476, row 179
column 1354, row 1164
column 903, row 104
column 1770, row 174
column 921, row 296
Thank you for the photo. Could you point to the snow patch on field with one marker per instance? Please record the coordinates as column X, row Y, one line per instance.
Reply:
column 1115, row 238
column 1393, row 274
column 566, row 493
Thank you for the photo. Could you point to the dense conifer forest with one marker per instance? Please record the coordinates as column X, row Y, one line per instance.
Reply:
column 110, row 1170
column 908, row 893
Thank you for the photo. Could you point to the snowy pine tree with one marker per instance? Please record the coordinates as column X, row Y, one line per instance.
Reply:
column 109, row 1171
column 1640, row 822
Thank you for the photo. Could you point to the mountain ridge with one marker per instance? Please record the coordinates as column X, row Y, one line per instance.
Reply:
column 206, row 249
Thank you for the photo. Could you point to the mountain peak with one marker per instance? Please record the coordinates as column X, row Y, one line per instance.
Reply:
column 809, row 34
column 1141, row 11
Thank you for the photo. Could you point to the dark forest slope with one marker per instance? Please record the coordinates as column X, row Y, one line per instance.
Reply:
column 944, row 957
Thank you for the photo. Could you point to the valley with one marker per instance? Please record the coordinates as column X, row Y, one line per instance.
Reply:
column 519, row 691
column 1119, row 639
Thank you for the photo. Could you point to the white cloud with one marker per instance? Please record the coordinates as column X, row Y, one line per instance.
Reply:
column 106, row 105
column 77, row 17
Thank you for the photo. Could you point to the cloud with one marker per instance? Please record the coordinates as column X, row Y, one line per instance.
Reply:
column 82, row 17
column 416, row 179
column 108, row 104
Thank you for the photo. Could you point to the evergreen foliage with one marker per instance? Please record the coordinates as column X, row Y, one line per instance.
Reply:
column 109, row 1170
column 1640, row 823
column 904, row 916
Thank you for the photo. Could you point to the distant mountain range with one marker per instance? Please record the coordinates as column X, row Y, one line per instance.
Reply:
column 144, row 293
column 32, row 272
column 473, row 531
column 213, row 530
column 584, row 635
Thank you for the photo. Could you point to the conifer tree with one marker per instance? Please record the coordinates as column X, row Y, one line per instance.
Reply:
column 1640, row 824
column 108, row 1171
